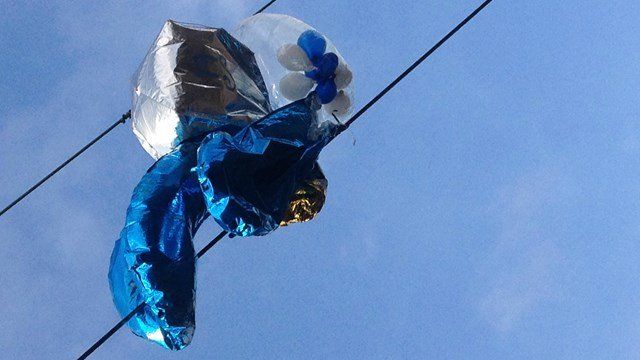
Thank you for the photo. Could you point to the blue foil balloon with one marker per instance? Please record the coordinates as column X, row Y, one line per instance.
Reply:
column 154, row 261
column 313, row 44
column 249, row 178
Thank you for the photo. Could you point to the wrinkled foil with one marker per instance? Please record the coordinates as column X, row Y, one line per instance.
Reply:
column 193, row 80
column 154, row 260
column 308, row 199
column 201, row 108
column 249, row 179
column 197, row 79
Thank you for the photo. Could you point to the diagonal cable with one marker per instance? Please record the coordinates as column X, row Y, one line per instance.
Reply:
column 264, row 7
column 122, row 120
column 415, row 64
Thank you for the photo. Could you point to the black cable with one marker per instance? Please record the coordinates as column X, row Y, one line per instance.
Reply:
column 264, row 7
column 140, row 307
column 109, row 333
column 415, row 64
column 213, row 242
column 122, row 120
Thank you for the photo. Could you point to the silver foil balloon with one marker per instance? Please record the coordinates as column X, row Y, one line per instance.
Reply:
column 193, row 80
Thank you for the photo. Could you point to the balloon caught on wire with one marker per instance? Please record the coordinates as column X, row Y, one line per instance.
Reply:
column 236, row 123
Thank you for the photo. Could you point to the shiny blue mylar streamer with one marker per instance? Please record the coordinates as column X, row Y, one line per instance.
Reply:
column 247, row 175
column 248, row 178
column 154, row 259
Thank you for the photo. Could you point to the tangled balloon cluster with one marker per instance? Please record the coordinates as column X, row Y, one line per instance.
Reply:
column 311, row 67
column 202, row 108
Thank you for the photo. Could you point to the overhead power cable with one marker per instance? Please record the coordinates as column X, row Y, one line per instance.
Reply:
column 121, row 121
column 264, row 7
column 416, row 64
column 213, row 242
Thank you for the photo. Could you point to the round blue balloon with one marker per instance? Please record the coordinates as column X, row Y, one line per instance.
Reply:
column 328, row 65
column 327, row 91
column 313, row 44
column 314, row 75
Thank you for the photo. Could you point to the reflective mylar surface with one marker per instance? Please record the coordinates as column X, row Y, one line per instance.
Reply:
column 308, row 199
column 193, row 80
column 253, row 179
column 250, row 178
column 154, row 259
column 201, row 107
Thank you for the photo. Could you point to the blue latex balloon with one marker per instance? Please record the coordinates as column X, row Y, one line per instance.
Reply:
column 328, row 65
column 324, row 76
column 313, row 44
column 327, row 91
column 314, row 75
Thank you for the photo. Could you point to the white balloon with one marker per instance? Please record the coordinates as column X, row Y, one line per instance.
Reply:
column 339, row 106
column 295, row 86
column 265, row 34
column 293, row 58
column 344, row 76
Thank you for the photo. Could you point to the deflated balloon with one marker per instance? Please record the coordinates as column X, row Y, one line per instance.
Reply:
column 249, row 179
column 202, row 109
column 153, row 262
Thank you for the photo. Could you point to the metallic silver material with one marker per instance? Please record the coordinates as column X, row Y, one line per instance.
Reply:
column 193, row 80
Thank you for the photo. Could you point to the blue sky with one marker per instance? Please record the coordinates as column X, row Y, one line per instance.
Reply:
column 489, row 209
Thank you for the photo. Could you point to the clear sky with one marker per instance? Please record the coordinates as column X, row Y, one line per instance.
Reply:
column 489, row 209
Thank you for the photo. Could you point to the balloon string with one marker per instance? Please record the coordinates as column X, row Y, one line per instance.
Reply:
column 122, row 120
column 344, row 126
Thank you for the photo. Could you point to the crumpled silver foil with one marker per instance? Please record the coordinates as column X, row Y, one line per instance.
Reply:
column 193, row 80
